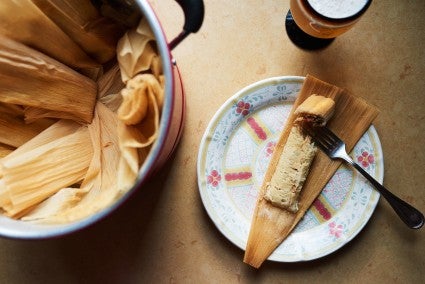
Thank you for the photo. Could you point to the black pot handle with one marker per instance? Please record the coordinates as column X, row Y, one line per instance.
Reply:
column 193, row 17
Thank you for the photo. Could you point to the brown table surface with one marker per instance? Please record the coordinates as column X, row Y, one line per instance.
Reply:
column 163, row 234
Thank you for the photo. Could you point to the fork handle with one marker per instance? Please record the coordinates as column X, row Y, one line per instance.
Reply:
column 410, row 215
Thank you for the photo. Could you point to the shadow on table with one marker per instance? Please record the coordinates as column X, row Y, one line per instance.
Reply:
column 105, row 252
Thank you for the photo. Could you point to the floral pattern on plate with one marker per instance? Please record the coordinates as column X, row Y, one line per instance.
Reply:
column 234, row 154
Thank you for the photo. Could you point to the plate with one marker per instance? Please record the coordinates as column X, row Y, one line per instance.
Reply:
column 233, row 157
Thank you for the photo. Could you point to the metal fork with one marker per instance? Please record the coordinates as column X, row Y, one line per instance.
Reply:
column 334, row 147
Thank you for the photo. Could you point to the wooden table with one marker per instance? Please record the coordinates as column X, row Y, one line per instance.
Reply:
column 163, row 234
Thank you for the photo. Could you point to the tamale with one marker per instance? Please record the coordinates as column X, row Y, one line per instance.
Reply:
column 105, row 188
column 34, row 114
column 59, row 129
column 15, row 132
column 11, row 110
column 32, row 177
column 4, row 151
column 99, row 187
column 60, row 201
column 293, row 166
column 104, row 175
column 110, row 82
column 80, row 20
column 32, row 79
column 110, row 86
column 271, row 225
column 23, row 21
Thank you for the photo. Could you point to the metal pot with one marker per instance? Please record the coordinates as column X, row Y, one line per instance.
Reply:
column 171, row 123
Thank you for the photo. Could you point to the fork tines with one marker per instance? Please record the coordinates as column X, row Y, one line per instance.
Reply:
column 322, row 136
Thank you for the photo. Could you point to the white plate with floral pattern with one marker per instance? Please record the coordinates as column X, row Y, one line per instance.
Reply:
column 233, row 157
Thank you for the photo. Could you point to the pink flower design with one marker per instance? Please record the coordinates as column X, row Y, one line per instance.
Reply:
column 214, row 178
column 335, row 230
column 243, row 108
column 365, row 159
column 270, row 148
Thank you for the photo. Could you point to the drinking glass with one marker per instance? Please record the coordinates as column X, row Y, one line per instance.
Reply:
column 314, row 24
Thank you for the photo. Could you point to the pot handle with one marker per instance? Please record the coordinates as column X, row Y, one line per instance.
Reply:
column 194, row 16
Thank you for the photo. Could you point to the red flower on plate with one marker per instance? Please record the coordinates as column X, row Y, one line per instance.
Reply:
column 365, row 159
column 214, row 178
column 335, row 230
column 243, row 108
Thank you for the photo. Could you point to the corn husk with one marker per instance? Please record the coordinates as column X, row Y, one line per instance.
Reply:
column 24, row 22
column 140, row 111
column 140, row 91
column 136, row 52
column 117, row 150
column 15, row 132
column 110, row 82
column 271, row 225
column 59, row 129
column 80, row 20
column 99, row 187
column 4, row 151
column 110, row 86
column 31, row 79
column 11, row 110
column 31, row 177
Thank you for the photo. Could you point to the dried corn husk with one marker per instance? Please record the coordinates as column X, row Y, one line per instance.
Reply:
column 22, row 21
column 110, row 82
column 61, row 201
column 32, row 177
column 110, row 86
column 142, row 99
column 136, row 52
column 99, row 187
column 81, row 21
column 143, row 95
column 139, row 92
column 59, row 129
column 4, row 151
column 30, row 78
column 271, row 225
column 15, row 132
column 110, row 169
column 11, row 110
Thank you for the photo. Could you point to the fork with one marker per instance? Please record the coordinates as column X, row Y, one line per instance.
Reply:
column 334, row 147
